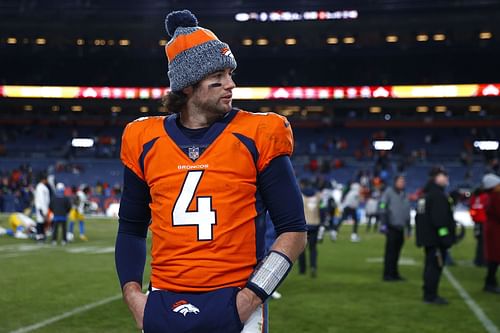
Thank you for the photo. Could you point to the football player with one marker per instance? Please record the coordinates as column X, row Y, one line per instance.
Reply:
column 202, row 180
column 77, row 213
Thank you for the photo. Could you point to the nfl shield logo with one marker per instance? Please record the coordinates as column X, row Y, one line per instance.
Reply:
column 194, row 153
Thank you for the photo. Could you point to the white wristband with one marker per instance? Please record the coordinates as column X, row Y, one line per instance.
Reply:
column 270, row 272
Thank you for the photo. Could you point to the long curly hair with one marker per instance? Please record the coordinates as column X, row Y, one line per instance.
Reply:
column 175, row 101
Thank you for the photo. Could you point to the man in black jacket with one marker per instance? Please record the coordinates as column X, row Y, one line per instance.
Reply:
column 60, row 206
column 435, row 231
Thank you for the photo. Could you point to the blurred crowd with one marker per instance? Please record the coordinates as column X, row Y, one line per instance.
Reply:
column 17, row 190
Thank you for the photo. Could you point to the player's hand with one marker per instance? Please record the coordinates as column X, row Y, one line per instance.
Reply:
column 136, row 301
column 246, row 303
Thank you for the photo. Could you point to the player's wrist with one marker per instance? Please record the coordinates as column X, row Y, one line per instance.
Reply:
column 131, row 288
column 251, row 297
column 268, row 274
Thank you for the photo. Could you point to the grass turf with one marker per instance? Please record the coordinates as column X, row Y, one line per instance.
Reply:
column 39, row 282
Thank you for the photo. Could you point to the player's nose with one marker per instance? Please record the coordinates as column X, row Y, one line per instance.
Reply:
column 229, row 84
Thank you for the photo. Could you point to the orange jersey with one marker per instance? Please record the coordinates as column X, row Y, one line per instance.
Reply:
column 207, row 219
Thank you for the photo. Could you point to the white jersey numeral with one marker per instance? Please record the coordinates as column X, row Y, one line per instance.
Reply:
column 203, row 217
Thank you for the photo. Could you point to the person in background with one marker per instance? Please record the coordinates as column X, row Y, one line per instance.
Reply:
column 328, row 207
column 491, row 184
column 350, row 204
column 21, row 226
column 77, row 213
column 435, row 232
column 42, row 201
column 312, row 199
column 395, row 215
column 372, row 210
column 477, row 210
column 60, row 205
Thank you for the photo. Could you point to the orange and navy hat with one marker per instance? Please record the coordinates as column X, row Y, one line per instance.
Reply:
column 193, row 52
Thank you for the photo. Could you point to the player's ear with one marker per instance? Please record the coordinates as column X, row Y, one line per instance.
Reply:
column 188, row 91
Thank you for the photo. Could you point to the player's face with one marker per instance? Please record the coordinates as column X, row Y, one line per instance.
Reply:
column 442, row 180
column 400, row 183
column 214, row 93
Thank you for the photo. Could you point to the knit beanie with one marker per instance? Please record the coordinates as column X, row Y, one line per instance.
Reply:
column 193, row 52
column 490, row 181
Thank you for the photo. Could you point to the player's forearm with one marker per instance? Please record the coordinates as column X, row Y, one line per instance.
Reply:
column 130, row 255
column 291, row 244
column 135, row 300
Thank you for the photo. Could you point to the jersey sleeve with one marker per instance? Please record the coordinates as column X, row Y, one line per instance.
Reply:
column 274, row 138
column 131, row 148
column 135, row 136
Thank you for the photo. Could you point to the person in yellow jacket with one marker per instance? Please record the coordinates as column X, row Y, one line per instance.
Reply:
column 76, row 214
column 21, row 226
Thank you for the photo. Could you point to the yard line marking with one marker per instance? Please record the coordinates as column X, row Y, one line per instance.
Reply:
column 12, row 255
column 487, row 323
column 405, row 261
column 67, row 314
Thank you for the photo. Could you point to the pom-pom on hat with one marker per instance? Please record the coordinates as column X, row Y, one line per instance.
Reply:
column 193, row 52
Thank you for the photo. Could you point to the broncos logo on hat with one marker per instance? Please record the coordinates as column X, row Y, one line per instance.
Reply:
column 227, row 52
column 184, row 308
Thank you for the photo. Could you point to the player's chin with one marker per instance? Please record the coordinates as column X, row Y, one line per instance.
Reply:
column 225, row 105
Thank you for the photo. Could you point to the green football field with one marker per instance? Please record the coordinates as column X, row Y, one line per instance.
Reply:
column 75, row 289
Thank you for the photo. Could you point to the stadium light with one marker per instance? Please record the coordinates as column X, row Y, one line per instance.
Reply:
column 12, row 40
column 349, row 40
column 383, row 144
column 144, row 109
column 475, row 108
column 28, row 108
column 56, row 108
column 332, row 40
column 422, row 38
column 242, row 17
column 485, row 35
column 486, row 144
column 290, row 41
column 111, row 42
column 247, row 42
column 313, row 15
column 116, row 109
column 262, row 41
column 375, row 109
column 40, row 41
column 440, row 108
column 82, row 142
column 80, row 42
column 422, row 109
column 391, row 39
column 76, row 108
column 162, row 42
column 124, row 42
column 439, row 37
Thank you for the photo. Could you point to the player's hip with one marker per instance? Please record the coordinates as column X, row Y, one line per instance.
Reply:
column 75, row 215
column 208, row 312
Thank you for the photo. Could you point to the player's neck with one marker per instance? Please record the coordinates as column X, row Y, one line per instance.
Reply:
column 193, row 118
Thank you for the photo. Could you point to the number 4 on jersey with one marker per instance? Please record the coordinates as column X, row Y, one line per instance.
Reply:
column 204, row 217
